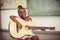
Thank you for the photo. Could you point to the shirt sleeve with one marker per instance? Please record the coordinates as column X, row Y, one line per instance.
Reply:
column 30, row 19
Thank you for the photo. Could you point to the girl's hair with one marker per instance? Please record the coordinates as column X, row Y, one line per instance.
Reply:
column 20, row 7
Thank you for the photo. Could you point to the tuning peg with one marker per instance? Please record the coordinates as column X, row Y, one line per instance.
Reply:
column 52, row 28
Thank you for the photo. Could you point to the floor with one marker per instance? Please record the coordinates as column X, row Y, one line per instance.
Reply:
column 43, row 36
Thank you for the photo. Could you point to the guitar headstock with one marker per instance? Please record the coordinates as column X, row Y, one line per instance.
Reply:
column 52, row 28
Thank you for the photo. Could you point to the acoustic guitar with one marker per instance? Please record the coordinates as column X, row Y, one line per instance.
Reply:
column 27, row 27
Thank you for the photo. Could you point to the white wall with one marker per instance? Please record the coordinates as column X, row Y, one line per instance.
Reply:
column 5, row 17
column 49, row 21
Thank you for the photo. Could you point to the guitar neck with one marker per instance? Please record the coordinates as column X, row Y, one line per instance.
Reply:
column 41, row 28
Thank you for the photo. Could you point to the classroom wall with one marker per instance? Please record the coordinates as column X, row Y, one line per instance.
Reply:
column 53, row 21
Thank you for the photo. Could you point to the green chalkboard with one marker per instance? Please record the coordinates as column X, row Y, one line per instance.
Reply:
column 43, row 8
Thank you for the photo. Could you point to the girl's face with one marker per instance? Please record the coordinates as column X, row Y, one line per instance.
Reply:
column 22, row 13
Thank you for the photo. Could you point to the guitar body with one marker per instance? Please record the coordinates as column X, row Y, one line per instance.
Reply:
column 21, row 32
